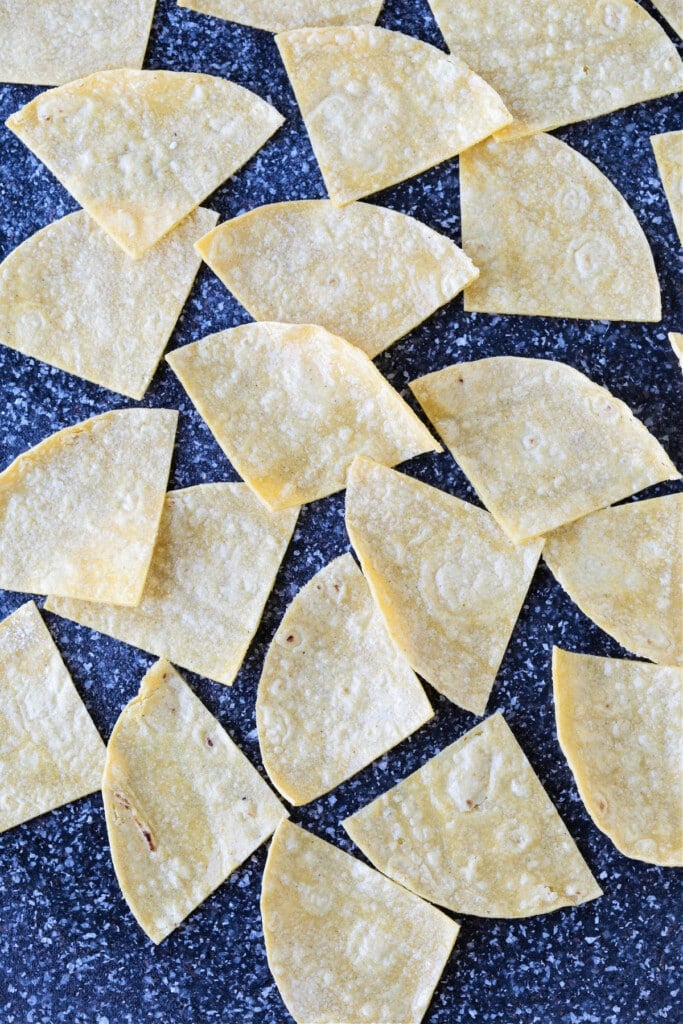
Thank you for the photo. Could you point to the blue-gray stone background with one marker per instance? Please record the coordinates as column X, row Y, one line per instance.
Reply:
column 69, row 949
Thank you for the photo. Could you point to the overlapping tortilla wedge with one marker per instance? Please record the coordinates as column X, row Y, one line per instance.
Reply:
column 677, row 345
column 139, row 150
column 559, row 61
column 335, row 694
column 215, row 560
column 672, row 10
column 668, row 149
column 542, row 444
column 291, row 405
column 475, row 831
column 184, row 807
column 624, row 568
column 364, row 272
column 79, row 513
column 344, row 943
column 278, row 15
column 552, row 236
column 620, row 725
column 71, row 297
column 49, row 42
column 50, row 751
column 380, row 106
column 447, row 580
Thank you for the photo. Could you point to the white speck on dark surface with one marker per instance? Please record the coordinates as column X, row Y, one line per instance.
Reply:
column 70, row 952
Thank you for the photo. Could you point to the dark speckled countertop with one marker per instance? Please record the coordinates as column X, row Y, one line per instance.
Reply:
column 69, row 949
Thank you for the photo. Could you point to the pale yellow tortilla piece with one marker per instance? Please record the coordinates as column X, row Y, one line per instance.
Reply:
column 184, row 807
column 139, row 150
column 278, row 15
column 475, row 831
column 79, row 513
column 672, row 10
column 668, row 149
column 49, row 42
column 214, row 564
column 291, row 405
column 70, row 297
column 552, row 236
column 541, row 444
column 380, row 106
column 447, row 580
column 624, row 568
column 50, row 751
column 363, row 272
column 344, row 943
column 677, row 345
column 620, row 725
column 335, row 693
column 559, row 61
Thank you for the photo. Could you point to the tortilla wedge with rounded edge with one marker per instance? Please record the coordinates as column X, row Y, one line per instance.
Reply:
column 70, row 297
column 343, row 942
column 541, row 444
column 677, row 345
column 291, row 405
column 49, row 42
column 447, row 580
column 79, row 513
column 139, row 150
column 335, row 694
column 555, row 62
column 184, row 806
column 672, row 11
column 214, row 564
column 623, row 567
column 620, row 725
column 668, row 149
column 552, row 236
column 363, row 272
column 380, row 106
column 475, row 831
column 50, row 751
column 278, row 15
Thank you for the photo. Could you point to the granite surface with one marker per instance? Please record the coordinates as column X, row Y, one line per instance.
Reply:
column 69, row 949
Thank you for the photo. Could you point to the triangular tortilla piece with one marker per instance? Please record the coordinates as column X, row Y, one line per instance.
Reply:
column 278, row 15
column 447, row 580
column 677, row 345
column 214, row 564
column 541, row 444
column 184, row 807
column 559, row 61
column 672, row 10
column 79, row 513
column 139, row 150
column 668, row 150
column 49, row 42
column 50, row 751
column 475, row 831
column 335, row 694
column 624, row 568
column 71, row 297
column 552, row 236
column 291, row 405
column 364, row 272
column 620, row 725
column 343, row 942
column 380, row 106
